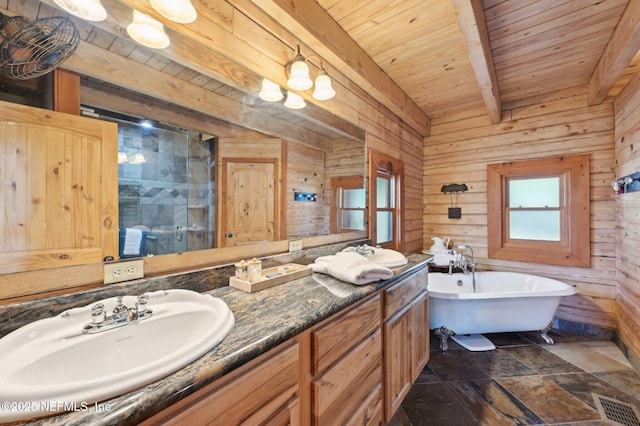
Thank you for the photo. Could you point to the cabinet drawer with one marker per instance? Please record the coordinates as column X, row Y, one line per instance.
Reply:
column 398, row 295
column 337, row 336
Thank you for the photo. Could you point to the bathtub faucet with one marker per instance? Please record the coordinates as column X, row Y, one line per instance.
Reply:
column 467, row 264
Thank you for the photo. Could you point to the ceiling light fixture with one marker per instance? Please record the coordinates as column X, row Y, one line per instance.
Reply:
column 294, row 101
column 181, row 11
column 270, row 91
column 91, row 10
column 147, row 31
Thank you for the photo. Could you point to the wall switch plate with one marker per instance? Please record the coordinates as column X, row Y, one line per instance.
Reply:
column 123, row 271
column 295, row 245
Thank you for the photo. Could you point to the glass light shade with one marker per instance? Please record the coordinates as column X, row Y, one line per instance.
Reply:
column 294, row 101
column 122, row 157
column 147, row 31
column 90, row 10
column 270, row 91
column 299, row 78
column 323, row 91
column 138, row 159
column 181, row 11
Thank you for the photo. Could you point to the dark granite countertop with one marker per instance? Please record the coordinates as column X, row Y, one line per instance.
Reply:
column 263, row 320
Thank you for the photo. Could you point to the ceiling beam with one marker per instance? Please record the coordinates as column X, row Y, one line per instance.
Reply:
column 622, row 47
column 473, row 26
column 317, row 29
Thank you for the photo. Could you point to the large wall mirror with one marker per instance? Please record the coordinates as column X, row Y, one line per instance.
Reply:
column 207, row 125
column 188, row 181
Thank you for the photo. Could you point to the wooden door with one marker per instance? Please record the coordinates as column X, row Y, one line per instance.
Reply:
column 59, row 193
column 249, row 201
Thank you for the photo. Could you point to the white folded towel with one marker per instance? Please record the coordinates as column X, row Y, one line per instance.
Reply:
column 132, row 242
column 443, row 258
column 352, row 268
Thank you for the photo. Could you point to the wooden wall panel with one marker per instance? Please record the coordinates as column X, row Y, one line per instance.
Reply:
column 305, row 173
column 459, row 152
column 627, row 220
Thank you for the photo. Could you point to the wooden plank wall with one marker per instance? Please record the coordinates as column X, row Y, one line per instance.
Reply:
column 460, row 148
column 627, row 152
column 305, row 173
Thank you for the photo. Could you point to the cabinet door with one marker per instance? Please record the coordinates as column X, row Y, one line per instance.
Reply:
column 60, row 194
column 420, row 334
column 397, row 360
column 262, row 392
column 348, row 387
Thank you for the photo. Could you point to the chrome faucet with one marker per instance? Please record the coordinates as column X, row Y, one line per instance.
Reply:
column 120, row 315
column 467, row 264
column 364, row 250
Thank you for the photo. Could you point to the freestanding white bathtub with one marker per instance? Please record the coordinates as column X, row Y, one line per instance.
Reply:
column 502, row 302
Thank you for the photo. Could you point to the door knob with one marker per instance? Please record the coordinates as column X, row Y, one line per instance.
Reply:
column 229, row 235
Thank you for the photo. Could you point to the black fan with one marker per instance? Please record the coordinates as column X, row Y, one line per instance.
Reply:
column 30, row 49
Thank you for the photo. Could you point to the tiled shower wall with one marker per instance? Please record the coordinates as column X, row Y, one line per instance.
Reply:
column 171, row 194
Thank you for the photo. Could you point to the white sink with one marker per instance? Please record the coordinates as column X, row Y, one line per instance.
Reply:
column 52, row 366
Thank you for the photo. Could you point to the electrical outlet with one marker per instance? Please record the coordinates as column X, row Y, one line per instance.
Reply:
column 295, row 245
column 123, row 271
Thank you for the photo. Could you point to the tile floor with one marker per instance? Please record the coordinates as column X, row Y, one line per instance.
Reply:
column 521, row 382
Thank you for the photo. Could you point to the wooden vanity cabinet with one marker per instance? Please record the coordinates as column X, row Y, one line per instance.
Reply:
column 261, row 392
column 346, row 367
column 406, row 338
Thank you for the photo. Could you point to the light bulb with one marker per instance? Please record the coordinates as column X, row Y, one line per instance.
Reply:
column 270, row 91
column 147, row 31
column 90, row 10
column 294, row 101
column 181, row 11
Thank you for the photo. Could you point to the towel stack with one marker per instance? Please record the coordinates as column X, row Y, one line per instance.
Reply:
column 132, row 242
column 351, row 267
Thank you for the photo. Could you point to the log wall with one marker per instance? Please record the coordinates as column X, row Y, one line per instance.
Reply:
column 462, row 145
column 627, row 232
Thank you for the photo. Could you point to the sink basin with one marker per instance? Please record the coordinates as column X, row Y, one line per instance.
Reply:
column 51, row 365
column 387, row 257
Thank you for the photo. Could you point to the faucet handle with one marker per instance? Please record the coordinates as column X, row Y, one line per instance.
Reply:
column 143, row 299
column 96, row 311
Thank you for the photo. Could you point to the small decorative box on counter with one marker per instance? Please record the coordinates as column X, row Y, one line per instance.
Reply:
column 272, row 277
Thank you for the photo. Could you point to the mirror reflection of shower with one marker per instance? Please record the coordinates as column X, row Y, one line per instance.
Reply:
column 166, row 187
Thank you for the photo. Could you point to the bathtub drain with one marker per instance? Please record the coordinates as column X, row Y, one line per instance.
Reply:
column 618, row 412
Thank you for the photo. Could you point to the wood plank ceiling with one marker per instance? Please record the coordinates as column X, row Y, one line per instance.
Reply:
column 424, row 60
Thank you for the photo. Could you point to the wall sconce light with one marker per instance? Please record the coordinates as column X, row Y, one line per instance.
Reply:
column 147, row 31
column 138, row 159
column 627, row 184
column 294, row 101
column 299, row 78
column 180, row 11
column 90, row 10
column 270, row 91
